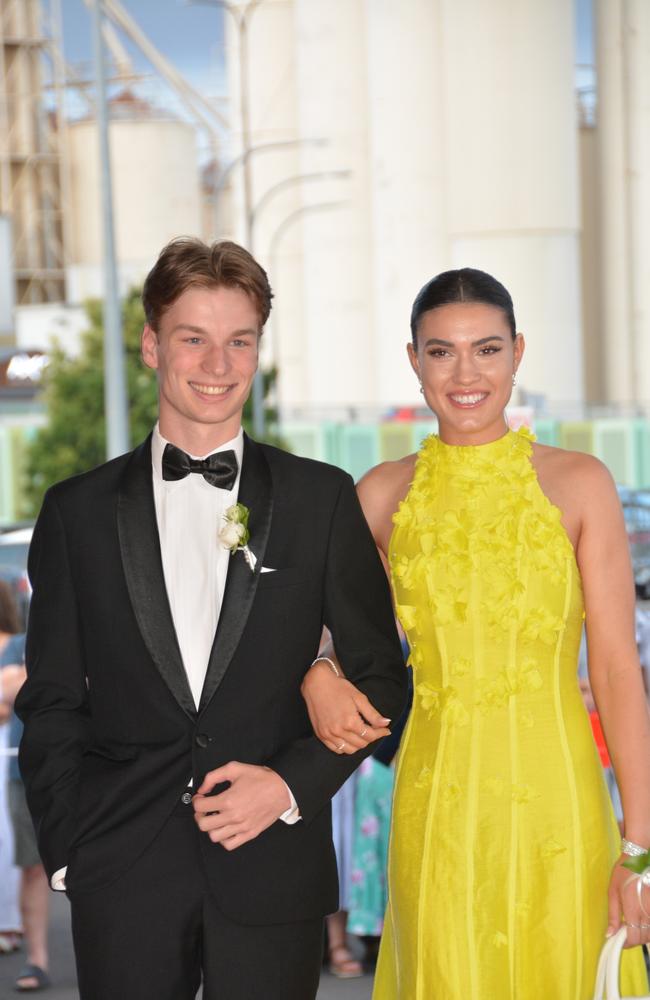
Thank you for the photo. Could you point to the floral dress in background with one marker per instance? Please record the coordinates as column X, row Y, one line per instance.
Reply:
column 367, row 891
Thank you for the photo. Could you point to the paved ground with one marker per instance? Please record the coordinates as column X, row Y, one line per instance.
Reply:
column 64, row 985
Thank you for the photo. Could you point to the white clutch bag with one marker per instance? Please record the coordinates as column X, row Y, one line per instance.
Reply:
column 607, row 977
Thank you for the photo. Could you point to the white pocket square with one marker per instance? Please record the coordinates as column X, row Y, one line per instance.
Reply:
column 267, row 569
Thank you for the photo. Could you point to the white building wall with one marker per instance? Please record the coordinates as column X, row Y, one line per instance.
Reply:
column 408, row 177
column 513, row 172
column 275, row 140
column 457, row 121
column 339, row 313
column 638, row 76
column 614, row 192
column 623, row 52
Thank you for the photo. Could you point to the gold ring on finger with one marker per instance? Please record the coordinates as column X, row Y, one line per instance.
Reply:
column 363, row 732
column 340, row 746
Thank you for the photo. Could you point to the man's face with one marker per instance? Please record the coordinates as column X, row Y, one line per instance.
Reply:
column 205, row 353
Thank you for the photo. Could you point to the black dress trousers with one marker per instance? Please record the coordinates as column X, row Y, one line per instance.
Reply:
column 157, row 933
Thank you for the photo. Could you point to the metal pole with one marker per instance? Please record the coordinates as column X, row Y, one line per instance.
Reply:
column 115, row 397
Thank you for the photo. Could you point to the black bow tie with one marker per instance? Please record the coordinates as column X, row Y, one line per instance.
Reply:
column 219, row 469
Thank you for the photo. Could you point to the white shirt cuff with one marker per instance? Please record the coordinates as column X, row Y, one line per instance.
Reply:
column 58, row 880
column 292, row 814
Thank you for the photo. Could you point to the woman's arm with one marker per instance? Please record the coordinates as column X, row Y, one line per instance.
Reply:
column 341, row 716
column 12, row 679
column 614, row 669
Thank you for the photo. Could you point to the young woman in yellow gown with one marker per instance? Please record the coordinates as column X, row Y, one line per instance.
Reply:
column 505, row 861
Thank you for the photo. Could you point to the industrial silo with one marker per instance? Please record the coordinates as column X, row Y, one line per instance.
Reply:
column 156, row 192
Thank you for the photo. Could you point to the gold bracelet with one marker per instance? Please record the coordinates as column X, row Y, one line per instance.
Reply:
column 326, row 659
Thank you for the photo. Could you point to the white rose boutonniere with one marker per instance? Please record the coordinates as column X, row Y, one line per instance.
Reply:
column 234, row 533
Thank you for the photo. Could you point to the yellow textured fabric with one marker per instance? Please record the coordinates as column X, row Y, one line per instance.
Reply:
column 503, row 835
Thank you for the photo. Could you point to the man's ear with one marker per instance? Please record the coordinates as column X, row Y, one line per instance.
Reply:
column 149, row 347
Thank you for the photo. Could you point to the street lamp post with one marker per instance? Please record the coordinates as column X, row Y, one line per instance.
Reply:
column 115, row 396
column 286, row 182
column 262, row 147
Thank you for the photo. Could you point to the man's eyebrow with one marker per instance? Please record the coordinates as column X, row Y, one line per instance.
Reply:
column 188, row 327
column 199, row 329
column 475, row 343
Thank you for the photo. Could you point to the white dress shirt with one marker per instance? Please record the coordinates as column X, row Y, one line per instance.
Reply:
column 189, row 513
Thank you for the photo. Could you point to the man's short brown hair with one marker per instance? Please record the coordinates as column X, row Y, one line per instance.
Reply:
column 187, row 262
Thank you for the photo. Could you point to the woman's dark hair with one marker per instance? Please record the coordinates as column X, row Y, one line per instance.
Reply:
column 464, row 285
column 9, row 620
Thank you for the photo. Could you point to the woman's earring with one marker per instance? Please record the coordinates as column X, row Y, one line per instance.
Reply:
column 514, row 378
column 421, row 388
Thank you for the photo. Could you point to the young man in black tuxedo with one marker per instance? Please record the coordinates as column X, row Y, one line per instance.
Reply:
column 179, row 794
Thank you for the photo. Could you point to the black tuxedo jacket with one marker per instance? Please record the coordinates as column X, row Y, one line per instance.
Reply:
column 112, row 734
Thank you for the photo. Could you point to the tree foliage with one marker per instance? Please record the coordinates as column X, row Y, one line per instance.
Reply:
column 73, row 439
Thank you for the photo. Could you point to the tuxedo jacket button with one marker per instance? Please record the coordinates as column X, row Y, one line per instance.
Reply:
column 202, row 740
column 186, row 798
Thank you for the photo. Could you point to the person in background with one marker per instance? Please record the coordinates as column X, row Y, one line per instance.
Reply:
column 361, row 824
column 34, row 886
column 11, row 656
column 341, row 961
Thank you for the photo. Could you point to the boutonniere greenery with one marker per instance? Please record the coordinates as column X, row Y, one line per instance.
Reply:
column 234, row 534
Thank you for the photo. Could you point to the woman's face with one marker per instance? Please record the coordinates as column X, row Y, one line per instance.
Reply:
column 465, row 359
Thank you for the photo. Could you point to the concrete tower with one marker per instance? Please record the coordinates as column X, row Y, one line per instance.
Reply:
column 623, row 54
column 457, row 122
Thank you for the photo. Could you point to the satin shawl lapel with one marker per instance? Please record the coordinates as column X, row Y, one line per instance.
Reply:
column 241, row 583
column 142, row 562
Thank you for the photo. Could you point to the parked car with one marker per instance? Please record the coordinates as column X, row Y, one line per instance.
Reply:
column 636, row 509
column 14, row 546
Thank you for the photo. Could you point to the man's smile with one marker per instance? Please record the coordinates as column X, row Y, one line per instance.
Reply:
column 210, row 390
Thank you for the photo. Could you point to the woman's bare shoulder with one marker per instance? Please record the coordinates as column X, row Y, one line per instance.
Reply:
column 388, row 477
column 572, row 468
column 380, row 492
column 580, row 485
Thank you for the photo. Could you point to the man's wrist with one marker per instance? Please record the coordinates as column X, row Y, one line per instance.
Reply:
column 57, row 882
column 291, row 814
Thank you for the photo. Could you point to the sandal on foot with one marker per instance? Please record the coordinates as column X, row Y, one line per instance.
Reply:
column 9, row 942
column 344, row 966
column 32, row 972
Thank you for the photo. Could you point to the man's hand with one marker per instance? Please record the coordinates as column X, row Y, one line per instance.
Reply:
column 257, row 797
